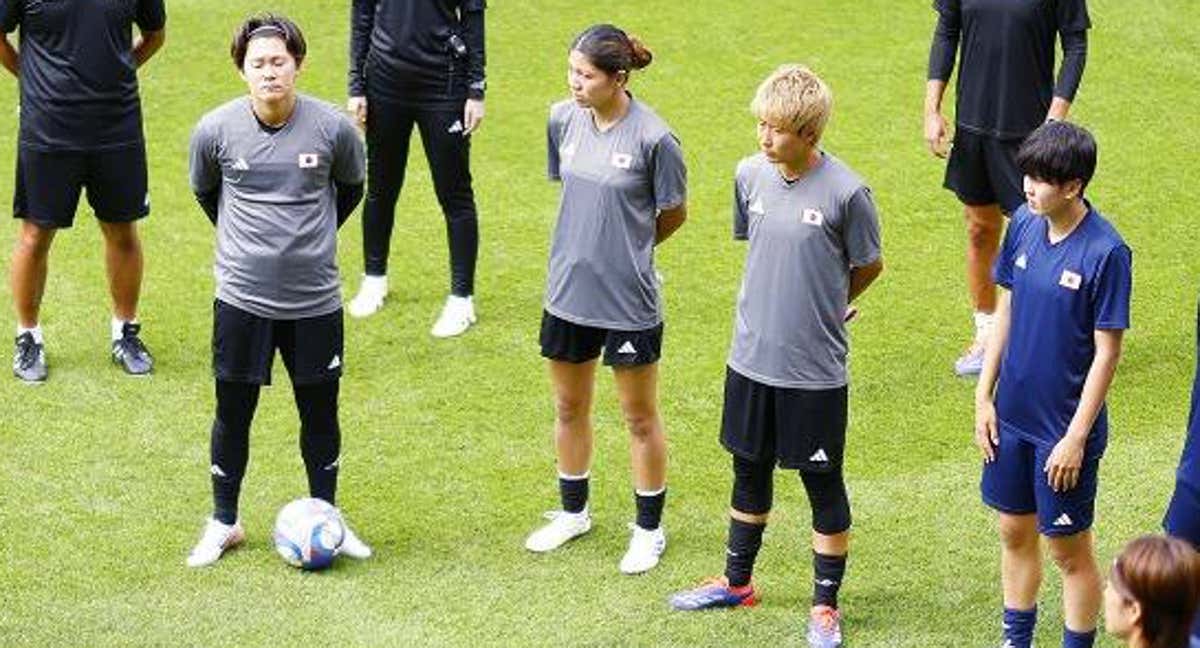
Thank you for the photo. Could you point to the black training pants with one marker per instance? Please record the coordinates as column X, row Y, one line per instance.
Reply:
column 389, row 130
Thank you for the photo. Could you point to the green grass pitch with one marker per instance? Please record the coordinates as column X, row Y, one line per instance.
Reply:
column 447, row 447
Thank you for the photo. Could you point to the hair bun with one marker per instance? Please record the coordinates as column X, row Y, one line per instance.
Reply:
column 640, row 55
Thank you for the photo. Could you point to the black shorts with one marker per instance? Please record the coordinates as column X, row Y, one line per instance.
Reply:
column 803, row 429
column 570, row 342
column 49, row 184
column 244, row 346
column 983, row 170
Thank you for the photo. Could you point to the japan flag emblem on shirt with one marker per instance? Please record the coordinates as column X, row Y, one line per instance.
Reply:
column 622, row 160
column 812, row 217
column 1070, row 280
column 308, row 160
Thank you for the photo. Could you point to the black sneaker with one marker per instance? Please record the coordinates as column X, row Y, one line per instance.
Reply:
column 130, row 353
column 29, row 359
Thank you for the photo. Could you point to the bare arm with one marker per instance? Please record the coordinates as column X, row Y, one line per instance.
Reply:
column 9, row 57
column 147, row 44
column 1066, row 459
column 935, row 123
column 863, row 276
column 987, row 434
column 668, row 221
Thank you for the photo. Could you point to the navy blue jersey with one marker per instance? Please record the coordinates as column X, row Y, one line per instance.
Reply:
column 79, row 88
column 1061, row 294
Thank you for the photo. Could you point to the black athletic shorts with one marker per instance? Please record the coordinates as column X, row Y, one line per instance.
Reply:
column 570, row 342
column 49, row 184
column 983, row 170
column 244, row 346
column 802, row 429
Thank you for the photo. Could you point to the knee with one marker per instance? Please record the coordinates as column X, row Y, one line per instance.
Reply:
column 571, row 410
column 829, row 501
column 983, row 230
column 1071, row 559
column 34, row 241
column 642, row 424
column 1018, row 535
column 122, row 238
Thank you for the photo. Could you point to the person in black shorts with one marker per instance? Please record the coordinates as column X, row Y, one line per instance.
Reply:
column 1006, row 88
column 277, row 173
column 81, row 128
column 419, row 62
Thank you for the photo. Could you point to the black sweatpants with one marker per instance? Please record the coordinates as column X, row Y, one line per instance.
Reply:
column 389, row 130
column 320, row 441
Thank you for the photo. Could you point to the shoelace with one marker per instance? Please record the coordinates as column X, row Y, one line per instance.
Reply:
column 131, row 344
column 27, row 352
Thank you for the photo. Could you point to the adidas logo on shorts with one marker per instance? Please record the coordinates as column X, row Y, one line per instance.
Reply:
column 819, row 456
column 1063, row 520
column 627, row 348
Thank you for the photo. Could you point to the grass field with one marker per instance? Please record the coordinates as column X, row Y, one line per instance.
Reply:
column 448, row 459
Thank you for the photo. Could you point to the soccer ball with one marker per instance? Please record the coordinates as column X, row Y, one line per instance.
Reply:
column 308, row 533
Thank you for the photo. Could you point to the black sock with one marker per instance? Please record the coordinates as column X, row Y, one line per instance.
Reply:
column 229, row 448
column 320, row 437
column 650, row 508
column 745, row 540
column 573, row 491
column 827, row 578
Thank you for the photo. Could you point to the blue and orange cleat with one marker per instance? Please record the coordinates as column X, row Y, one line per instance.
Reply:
column 824, row 627
column 715, row 593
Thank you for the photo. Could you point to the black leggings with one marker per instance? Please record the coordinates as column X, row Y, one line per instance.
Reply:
column 389, row 129
column 753, row 493
column 320, row 441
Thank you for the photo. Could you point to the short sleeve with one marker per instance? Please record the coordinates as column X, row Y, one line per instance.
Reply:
column 950, row 10
column 553, row 141
column 860, row 229
column 474, row 5
column 670, row 173
column 1002, row 269
column 151, row 15
column 1072, row 15
column 204, row 170
column 349, row 154
column 1112, row 288
column 741, row 219
column 10, row 15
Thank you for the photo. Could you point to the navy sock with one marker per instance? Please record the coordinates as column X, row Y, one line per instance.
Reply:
column 650, row 508
column 745, row 540
column 1072, row 639
column 827, row 578
column 573, row 490
column 1018, row 626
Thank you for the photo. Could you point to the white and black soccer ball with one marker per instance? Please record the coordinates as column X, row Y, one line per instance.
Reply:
column 308, row 533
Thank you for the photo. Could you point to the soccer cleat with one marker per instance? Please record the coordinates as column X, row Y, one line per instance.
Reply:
column 824, row 627
column 715, row 592
column 563, row 526
column 370, row 296
column 29, row 359
column 457, row 316
column 971, row 361
column 129, row 351
column 214, row 542
column 645, row 549
column 351, row 546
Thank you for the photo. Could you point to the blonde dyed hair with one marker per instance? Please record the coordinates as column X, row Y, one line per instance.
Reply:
column 795, row 98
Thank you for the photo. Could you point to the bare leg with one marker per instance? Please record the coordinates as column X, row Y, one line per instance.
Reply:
column 574, row 386
column 984, row 226
column 1020, row 560
column 1076, row 559
column 637, row 388
column 30, row 265
column 123, row 260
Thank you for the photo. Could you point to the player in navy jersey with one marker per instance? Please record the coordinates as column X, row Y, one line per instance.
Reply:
column 1183, row 513
column 814, row 246
column 277, row 172
column 419, row 63
column 624, row 191
column 1040, row 417
column 1006, row 88
column 81, row 128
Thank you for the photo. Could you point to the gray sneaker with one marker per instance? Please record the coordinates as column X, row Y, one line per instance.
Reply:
column 29, row 359
column 131, row 353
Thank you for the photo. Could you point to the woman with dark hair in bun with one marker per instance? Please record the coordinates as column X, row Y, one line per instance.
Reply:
column 1152, row 594
column 624, row 187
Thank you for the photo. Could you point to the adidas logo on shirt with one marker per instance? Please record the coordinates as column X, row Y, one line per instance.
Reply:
column 1070, row 280
column 627, row 348
column 812, row 217
column 566, row 150
column 308, row 160
column 335, row 363
column 1021, row 261
column 819, row 455
column 756, row 207
column 1063, row 520
column 240, row 165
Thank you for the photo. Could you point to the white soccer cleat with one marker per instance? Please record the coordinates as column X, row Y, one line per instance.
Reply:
column 563, row 527
column 457, row 316
column 214, row 542
column 645, row 549
column 370, row 296
column 352, row 547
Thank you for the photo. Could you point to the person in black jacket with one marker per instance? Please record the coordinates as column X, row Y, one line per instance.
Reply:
column 419, row 62
column 1006, row 89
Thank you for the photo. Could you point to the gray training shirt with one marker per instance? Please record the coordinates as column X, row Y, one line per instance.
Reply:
column 276, row 253
column 804, row 237
column 614, row 183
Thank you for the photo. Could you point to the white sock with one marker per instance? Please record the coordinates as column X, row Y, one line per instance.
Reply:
column 117, row 325
column 35, row 331
column 983, row 325
column 377, row 282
